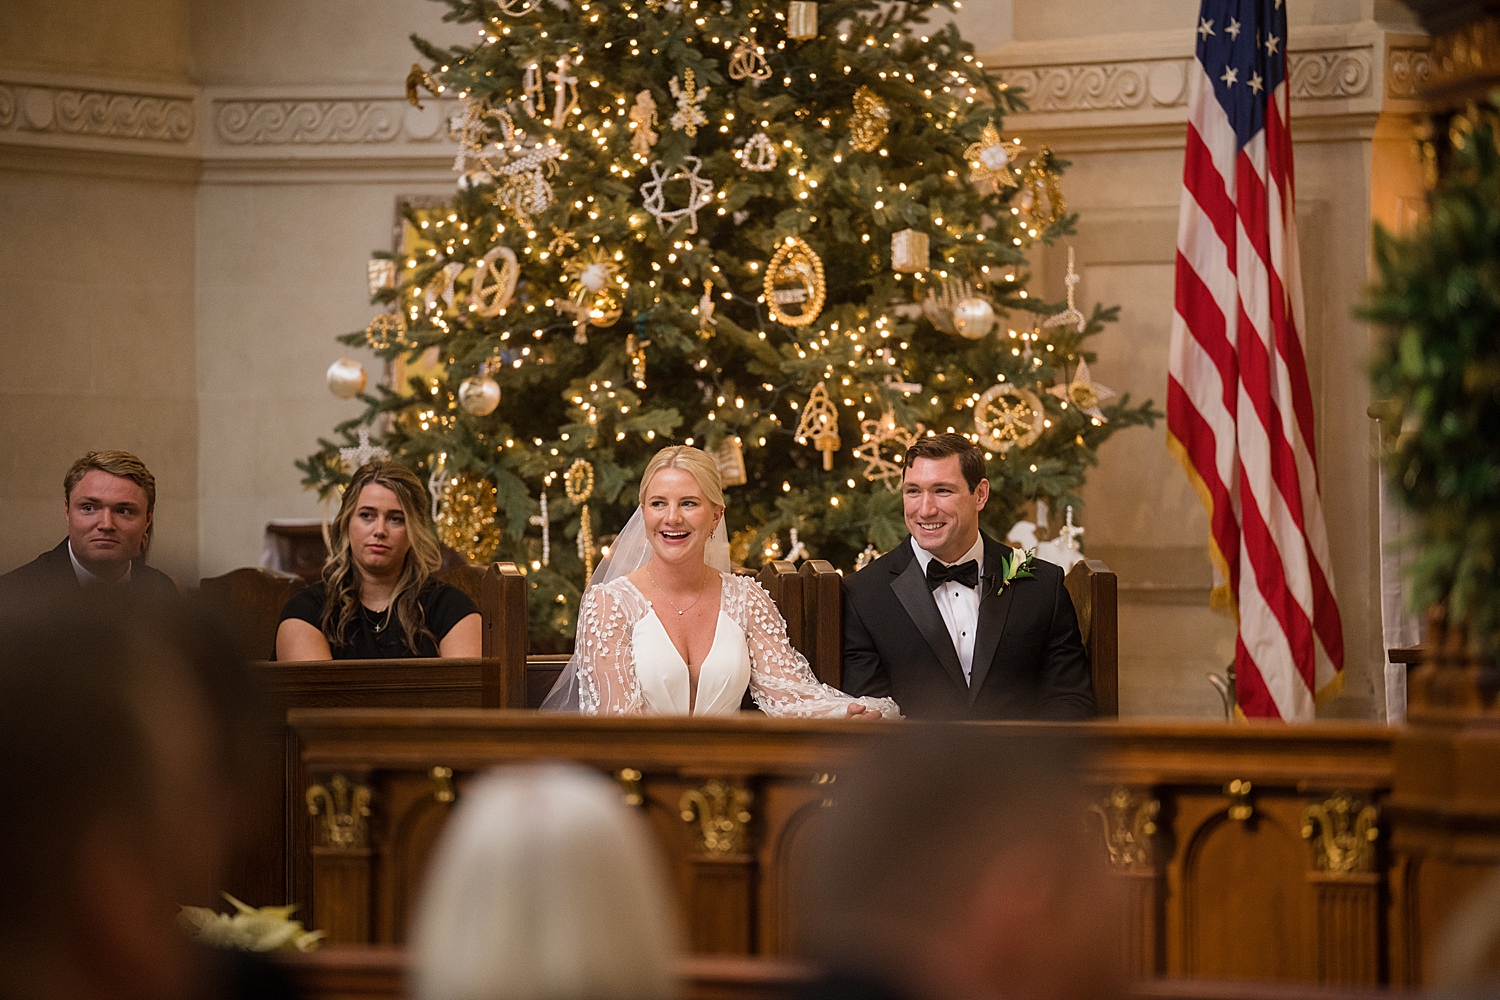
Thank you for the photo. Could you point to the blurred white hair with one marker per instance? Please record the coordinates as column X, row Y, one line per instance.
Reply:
column 545, row 886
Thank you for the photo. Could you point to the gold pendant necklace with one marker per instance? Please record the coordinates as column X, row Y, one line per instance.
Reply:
column 663, row 593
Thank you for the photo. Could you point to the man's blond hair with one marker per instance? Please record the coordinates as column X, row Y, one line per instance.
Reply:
column 116, row 463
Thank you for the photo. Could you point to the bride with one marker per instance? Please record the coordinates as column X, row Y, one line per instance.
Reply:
column 667, row 629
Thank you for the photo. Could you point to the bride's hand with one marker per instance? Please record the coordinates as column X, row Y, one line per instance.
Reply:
column 856, row 710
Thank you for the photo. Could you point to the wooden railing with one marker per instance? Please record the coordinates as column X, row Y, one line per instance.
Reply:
column 1202, row 823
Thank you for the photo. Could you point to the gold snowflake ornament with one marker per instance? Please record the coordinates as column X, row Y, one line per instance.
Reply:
column 878, row 436
column 1083, row 393
column 993, row 159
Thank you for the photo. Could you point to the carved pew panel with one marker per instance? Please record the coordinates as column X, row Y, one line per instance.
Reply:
column 1238, row 858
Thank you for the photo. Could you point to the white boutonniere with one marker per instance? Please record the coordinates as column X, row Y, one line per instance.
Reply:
column 1018, row 566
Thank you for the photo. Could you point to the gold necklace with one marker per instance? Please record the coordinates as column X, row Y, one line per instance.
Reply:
column 663, row 593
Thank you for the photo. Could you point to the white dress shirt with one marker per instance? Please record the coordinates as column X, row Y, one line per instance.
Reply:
column 959, row 605
column 87, row 579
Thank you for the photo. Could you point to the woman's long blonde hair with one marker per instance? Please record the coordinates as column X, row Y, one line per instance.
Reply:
column 341, row 576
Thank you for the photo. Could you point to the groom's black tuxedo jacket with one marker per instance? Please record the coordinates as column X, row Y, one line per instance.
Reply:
column 1029, row 660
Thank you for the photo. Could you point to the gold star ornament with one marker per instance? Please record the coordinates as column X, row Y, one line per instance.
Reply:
column 993, row 159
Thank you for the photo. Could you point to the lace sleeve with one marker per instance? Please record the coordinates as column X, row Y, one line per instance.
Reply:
column 607, row 681
column 781, row 681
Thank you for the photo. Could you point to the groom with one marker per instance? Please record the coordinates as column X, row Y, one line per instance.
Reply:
column 935, row 625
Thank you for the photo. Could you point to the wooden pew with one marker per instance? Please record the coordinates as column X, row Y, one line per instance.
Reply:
column 1202, row 823
column 251, row 599
column 355, row 972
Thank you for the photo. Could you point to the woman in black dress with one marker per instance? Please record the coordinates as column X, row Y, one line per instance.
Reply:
column 378, row 599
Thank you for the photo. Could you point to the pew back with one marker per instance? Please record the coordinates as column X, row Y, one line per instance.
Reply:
column 251, row 599
column 1095, row 593
column 1205, row 825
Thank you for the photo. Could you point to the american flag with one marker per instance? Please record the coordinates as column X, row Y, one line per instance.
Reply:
column 1239, row 411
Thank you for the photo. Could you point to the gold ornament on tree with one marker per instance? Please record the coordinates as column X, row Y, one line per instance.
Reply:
column 1007, row 416
column 596, row 290
column 494, row 284
column 870, row 122
column 578, row 484
column 1069, row 316
column 801, row 19
column 442, row 285
column 1041, row 198
column 643, row 122
column 365, row 451
column 1083, row 393
column 635, row 349
column 992, row 159
column 479, row 395
column 909, row 251
column 748, row 62
column 794, row 278
column 689, row 103
column 820, row 425
column 700, row 194
column 386, row 331
column 466, row 517
column 564, row 90
column 879, row 435
column 706, row 319
column 346, row 378
column 730, row 458
column 382, row 274
column 759, row 154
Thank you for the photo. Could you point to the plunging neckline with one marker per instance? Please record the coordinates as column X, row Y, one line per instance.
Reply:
column 722, row 667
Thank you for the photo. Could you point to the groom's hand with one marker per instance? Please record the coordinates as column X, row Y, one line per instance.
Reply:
column 856, row 709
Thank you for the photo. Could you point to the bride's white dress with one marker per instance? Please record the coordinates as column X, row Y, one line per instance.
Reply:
column 627, row 664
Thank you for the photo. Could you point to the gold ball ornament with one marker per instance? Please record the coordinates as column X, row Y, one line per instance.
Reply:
column 479, row 395
column 973, row 317
column 346, row 378
column 1007, row 417
column 596, row 287
column 794, row 281
column 466, row 517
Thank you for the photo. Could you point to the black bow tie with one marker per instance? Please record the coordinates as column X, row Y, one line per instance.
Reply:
column 966, row 573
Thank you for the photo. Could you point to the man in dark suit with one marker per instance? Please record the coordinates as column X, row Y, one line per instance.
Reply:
column 109, row 498
column 939, row 623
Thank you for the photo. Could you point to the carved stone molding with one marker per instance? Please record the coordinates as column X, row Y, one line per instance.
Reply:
column 276, row 122
column 1330, row 74
column 1407, row 72
column 100, row 113
column 1160, row 83
column 305, row 123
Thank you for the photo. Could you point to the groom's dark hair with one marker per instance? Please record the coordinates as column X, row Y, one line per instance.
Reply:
column 970, row 458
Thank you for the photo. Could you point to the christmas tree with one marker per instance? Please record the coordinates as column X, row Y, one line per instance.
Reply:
column 792, row 234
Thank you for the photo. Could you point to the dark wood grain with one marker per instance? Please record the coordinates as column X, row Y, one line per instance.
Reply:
column 251, row 599
column 1095, row 593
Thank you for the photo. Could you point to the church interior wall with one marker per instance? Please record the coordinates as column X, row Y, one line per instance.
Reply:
column 221, row 266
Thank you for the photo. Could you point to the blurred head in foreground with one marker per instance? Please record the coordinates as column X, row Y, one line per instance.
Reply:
column 120, row 720
column 955, row 864
column 545, row 886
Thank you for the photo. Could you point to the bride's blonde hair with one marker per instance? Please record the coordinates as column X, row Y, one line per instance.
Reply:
column 696, row 462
